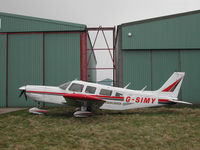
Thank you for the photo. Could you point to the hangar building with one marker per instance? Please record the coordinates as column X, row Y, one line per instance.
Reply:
column 149, row 51
column 48, row 52
column 40, row 51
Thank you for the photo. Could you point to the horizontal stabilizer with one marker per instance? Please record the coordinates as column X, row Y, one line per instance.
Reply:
column 180, row 102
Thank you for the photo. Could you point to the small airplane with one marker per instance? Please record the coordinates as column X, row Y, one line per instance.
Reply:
column 86, row 96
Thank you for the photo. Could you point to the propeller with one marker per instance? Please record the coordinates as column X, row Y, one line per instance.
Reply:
column 23, row 91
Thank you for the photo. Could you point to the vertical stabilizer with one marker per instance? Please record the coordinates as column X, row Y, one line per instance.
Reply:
column 172, row 86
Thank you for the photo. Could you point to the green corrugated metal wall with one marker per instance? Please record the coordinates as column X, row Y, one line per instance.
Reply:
column 157, row 48
column 138, row 71
column 181, row 31
column 149, row 67
column 164, row 63
column 62, row 58
column 2, row 70
column 190, row 64
column 24, row 65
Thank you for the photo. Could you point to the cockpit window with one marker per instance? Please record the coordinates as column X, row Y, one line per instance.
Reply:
column 76, row 87
column 65, row 85
column 118, row 94
column 90, row 89
column 105, row 92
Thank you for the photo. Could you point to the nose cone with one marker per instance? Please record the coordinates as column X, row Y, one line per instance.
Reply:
column 22, row 88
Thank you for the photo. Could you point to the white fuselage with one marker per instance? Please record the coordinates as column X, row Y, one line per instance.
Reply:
column 115, row 98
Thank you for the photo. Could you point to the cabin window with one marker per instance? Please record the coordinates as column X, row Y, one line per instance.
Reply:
column 65, row 85
column 118, row 94
column 76, row 87
column 90, row 89
column 105, row 92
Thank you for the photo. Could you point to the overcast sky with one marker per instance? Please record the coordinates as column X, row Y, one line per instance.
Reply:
column 98, row 12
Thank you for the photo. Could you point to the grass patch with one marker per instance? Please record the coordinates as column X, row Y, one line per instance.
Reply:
column 149, row 128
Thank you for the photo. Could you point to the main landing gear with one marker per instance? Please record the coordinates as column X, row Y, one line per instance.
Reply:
column 83, row 111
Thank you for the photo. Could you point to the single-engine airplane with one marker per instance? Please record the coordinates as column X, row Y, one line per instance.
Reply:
column 88, row 95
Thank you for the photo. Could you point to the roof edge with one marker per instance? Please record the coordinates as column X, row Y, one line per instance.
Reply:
column 43, row 20
column 160, row 18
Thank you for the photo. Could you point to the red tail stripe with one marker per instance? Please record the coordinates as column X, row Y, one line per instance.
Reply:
column 171, row 86
column 163, row 100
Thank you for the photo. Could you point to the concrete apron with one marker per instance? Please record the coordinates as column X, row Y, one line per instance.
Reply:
column 7, row 110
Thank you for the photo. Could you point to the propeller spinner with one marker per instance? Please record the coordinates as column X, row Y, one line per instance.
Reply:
column 23, row 91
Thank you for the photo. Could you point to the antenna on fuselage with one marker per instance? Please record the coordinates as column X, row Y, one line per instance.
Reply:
column 144, row 88
column 127, row 85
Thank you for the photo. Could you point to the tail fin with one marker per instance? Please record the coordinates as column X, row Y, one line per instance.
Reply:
column 173, row 84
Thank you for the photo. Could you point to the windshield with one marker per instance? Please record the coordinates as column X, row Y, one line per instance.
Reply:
column 65, row 85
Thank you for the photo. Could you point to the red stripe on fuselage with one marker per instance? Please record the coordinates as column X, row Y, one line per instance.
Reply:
column 61, row 94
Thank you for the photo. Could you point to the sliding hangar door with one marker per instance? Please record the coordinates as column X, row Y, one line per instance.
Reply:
column 149, row 51
column 40, row 52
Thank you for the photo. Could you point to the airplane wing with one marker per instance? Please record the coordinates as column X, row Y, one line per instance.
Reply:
column 83, row 97
column 74, row 99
